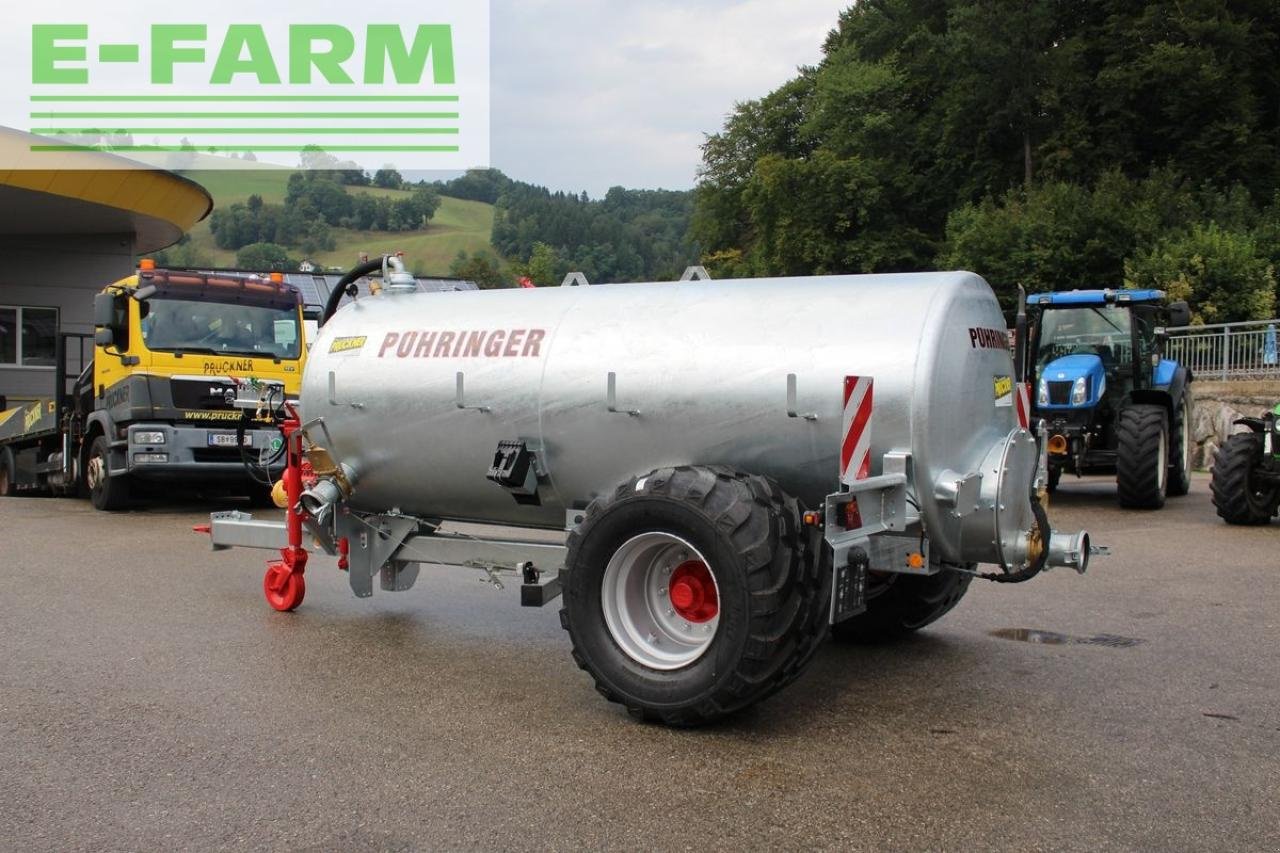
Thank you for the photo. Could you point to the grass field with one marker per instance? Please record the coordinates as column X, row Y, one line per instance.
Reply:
column 458, row 225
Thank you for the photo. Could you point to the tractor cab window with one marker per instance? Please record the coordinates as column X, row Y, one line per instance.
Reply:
column 1104, row 331
column 180, row 325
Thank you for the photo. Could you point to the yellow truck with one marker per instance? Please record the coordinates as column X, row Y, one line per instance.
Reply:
column 181, row 362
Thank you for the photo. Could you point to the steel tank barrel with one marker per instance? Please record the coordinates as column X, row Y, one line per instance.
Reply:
column 417, row 390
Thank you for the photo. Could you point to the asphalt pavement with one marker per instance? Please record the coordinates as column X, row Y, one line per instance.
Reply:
column 150, row 700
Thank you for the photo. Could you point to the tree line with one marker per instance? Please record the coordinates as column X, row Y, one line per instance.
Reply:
column 1048, row 143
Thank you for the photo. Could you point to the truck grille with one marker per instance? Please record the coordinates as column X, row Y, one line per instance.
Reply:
column 216, row 454
column 201, row 393
column 1060, row 393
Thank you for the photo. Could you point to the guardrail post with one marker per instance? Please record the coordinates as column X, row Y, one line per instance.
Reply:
column 1226, row 352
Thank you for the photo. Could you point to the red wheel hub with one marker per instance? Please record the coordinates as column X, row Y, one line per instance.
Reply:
column 693, row 592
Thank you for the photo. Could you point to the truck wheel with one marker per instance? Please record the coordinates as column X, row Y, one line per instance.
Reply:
column 1237, row 496
column 901, row 604
column 7, row 488
column 690, row 594
column 1142, row 458
column 110, row 494
column 1180, row 448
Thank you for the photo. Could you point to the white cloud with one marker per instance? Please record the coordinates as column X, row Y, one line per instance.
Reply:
column 593, row 93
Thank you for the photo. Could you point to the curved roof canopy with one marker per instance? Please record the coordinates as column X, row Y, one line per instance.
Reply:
column 94, row 192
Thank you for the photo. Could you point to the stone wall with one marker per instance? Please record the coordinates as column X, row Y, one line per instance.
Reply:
column 1217, row 404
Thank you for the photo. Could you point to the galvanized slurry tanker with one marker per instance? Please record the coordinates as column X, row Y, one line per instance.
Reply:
column 739, row 465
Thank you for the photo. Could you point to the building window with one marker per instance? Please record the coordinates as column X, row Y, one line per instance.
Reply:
column 28, row 336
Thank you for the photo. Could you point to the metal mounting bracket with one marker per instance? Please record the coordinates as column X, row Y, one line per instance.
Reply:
column 333, row 393
column 461, row 399
column 611, row 398
column 793, row 410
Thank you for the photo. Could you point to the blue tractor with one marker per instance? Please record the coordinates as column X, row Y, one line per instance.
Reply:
column 1111, row 402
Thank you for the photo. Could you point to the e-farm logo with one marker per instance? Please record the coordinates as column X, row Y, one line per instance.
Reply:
column 374, row 82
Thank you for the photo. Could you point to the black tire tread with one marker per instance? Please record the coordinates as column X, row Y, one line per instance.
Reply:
column 1231, row 485
column 1138, row 436
column 113, row 496
column 788, row 616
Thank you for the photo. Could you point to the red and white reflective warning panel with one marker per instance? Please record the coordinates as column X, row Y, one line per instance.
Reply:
column 1022, row 402
column 855, row 451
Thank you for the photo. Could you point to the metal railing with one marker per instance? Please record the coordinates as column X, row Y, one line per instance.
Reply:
column 1227, row 350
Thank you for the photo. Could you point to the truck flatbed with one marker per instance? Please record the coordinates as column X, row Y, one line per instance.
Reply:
column 29, row 422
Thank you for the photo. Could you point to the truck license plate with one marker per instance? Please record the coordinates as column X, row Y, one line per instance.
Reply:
column 227, row 439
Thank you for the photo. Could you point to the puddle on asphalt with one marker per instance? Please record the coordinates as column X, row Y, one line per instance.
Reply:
column 1050, row 638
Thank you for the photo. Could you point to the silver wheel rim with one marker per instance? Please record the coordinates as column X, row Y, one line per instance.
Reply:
column 1185, row 433
column 95, row 471
column 638, row 612
column 1163, row 459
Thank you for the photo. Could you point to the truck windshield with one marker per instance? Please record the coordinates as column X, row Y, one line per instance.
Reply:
column 1104, row 331
column 180, row 325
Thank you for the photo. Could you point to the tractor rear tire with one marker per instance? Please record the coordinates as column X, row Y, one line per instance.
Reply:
column 631, row 632
column 1142, row 458
column 1238, row 499
column 106, row 493
column 1180, row 448
column 904, row 605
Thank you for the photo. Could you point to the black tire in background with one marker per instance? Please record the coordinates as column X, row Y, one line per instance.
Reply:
column 898, row 605
column 1236, row 496
column 1180, row 447
column 7, row 488
column 773, row 594
column 110, row 494
column 1055, row 477
column 1142, row 457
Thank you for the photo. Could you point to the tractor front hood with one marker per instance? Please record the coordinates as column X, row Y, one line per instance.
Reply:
column 1075, row 381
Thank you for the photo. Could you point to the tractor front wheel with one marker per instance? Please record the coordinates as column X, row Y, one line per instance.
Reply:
column 1237, row 494
column 1142, row 458
column 1180, row 445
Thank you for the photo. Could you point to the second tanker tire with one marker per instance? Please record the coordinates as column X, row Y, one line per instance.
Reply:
column 768, row 594
column 1142, row 457
column 903, row 604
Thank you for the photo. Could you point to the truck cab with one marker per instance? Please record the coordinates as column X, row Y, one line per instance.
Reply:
column 1109, row 399
column 174, row 351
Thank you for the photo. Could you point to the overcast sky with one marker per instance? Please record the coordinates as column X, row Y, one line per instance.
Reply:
column 588, row 94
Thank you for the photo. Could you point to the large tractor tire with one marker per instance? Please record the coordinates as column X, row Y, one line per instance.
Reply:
column 1142, row 458
column 110, row 494
column 898, row 605
column 1237, row 495
column 691, row 593
column 1180, row 448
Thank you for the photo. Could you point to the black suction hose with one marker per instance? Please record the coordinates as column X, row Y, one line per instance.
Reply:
column 340, row 290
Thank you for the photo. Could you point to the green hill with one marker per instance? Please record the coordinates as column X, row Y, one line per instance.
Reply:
column 458, row 226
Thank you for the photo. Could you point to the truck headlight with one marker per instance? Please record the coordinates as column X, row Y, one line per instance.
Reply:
column 1080, row 392
column 1043, row 396
column 148, row 438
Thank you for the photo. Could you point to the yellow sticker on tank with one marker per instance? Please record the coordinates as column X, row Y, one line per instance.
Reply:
column 347, row 344
column 1004, row 390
